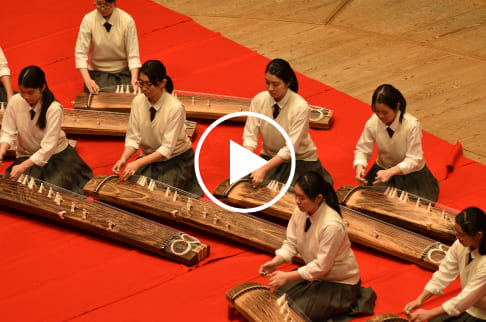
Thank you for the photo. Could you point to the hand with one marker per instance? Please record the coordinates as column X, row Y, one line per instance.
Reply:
column 130, row 170
column 278, row 278
column 134, row 86
column 118, row 166
column 420, row 315
column 382, row 176
column 17, row 170
column 360, row 172
column 411, row 306
column 257, row 176
column 267, row 268
column 92, row 86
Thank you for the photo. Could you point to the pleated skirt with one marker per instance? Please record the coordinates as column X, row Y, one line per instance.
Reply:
column 421, row 183
column 65, row 169
column 178, row 172
column 281, row 173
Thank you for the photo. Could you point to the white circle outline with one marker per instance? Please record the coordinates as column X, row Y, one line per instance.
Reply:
column 292, row 162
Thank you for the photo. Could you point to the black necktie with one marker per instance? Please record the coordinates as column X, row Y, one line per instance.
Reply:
column 32, row 114
column 390, row 131
column 307, row 224
column 152, row 113
column 107, row 26
column 469, row 258
column 276, row 110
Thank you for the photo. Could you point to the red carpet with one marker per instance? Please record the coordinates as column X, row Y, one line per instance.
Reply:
column 48, row 273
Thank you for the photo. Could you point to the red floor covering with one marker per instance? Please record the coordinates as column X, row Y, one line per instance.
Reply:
column 51, row 273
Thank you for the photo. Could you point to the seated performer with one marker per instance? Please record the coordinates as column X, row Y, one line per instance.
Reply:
column 281, row 102
column 107, row 51
column 398, row 137
column 329, row 284
column 466, row 258
column 6, row 91
column 157, row 126
column 33, row 118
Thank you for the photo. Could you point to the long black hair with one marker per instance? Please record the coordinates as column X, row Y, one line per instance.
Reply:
column 313, row 185
column 389, row 95
column 156, row 73
column 472, row 221
column 281, row 68
column 34, row 77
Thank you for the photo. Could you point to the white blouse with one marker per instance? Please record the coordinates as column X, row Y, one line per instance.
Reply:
column 32, row 141
column 4, row 70
column 325, row 247
column 109, row 52
column 472, row 298
column 166, row 134
column 403, row 149
column 293, row 118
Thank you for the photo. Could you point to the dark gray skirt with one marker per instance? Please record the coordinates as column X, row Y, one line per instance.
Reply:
column 421, row 183
column 65, row 169
column 178, row 172
column 281, row 173
column 3, row 94
column 323, row 301
column 108, row 81
column 464, row 317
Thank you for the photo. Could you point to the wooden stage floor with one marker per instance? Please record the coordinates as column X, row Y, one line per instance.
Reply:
column 433, row 51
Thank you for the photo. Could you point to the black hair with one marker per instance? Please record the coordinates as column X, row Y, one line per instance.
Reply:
column 313, row 185
column 473, row 220
column 156, row 73
column 34, row 77
column 281, row 68
column 389, row 95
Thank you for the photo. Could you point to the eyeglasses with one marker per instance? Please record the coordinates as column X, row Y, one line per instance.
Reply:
column 103, row 6
column 144, row 85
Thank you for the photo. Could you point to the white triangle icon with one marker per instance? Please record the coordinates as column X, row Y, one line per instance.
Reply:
column 243, row 162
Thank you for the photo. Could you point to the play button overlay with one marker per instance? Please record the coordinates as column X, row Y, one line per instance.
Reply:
column 243, row 162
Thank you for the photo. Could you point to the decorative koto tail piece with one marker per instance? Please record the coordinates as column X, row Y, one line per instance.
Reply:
column 156, row 199
column 257, row 304
column 403, row 209
column 197, row 106
column 12, row 151
column 45, row 200
column 362, row 229
column 387, row 317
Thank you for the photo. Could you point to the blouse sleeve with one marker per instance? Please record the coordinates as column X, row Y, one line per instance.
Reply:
column 48, row 144
column 9, row 126
column 414, row 156
column 364, row 147
column 133, row 135
column 289, row 246
column 131, row 41
column 252, row 129
column 330, row 239
column 298, row 130
column 171, row 132
column 82, row 45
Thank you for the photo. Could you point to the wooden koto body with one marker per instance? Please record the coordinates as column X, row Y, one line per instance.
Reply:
column 197, row 106
column 101, row 123
column 163, row 202
column 397, row 207
column 257, row 304
column 362, row 229
column 42, row 199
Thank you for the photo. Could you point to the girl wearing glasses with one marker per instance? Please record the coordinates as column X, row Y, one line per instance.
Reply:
column 33, row 118
column 5, row 85
column 465, row 258
column 157, row 126
column 282, row 103
column 329, row 284
column 107, row 51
